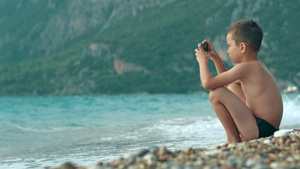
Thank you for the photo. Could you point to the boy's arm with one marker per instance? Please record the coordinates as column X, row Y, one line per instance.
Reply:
column 219, row 65
column 208, row 81
column 203, row 59
column 215, row 58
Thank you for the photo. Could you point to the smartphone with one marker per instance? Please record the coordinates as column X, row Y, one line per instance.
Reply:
column 204, row 46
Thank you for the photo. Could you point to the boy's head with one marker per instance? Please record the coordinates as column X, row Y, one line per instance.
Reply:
column 247, row 31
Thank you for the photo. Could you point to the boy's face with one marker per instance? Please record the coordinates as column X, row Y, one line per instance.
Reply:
column 233, row 49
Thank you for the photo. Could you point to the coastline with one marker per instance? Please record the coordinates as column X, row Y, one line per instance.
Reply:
column 279, row 151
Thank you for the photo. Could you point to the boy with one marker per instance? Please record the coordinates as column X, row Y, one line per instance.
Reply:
column 246, row 98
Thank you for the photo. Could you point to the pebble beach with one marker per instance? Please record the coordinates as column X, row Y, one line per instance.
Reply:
column 282, row 150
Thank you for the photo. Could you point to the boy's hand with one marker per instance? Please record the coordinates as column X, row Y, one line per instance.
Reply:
column 212, row 52
column 201, row 55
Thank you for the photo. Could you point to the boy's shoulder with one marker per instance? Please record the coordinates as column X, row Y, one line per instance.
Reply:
column 253, row 68
column 242, row 68
column 249, row 64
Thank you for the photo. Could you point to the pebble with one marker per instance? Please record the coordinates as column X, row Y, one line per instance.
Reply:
column 142, row 152
column 150, row 159
column 281, row 133
column 275, row 152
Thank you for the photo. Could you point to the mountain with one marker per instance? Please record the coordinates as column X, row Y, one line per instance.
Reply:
column 83, row 47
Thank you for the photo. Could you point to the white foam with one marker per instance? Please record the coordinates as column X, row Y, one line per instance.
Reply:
column 291, row 110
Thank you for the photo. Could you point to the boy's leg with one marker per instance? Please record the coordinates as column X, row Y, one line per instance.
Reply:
column 234, row 115
column 237, row 90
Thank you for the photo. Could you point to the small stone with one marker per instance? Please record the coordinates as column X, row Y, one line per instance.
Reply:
column 153, row 149
column 281, row 133
column 93, row 167
column 67, row 165
column 142, row 152
column 163, row 150
column 267, row 141
column 275, row 165
column 231, row 145
column 164, row 157
column 129, row 155
column 130, row 160
column 150, row 159
column 250, row 162
column 213, row 152
column 260, row 166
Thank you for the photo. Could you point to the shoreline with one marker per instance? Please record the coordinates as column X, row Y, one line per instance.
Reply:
column 279, row 151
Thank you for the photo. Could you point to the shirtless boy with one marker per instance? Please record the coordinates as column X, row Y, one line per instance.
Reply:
column 246, row 98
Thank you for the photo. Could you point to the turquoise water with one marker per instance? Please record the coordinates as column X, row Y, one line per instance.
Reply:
column 36, row 132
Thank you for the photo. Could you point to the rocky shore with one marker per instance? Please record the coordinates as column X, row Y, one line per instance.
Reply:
column 279, row 151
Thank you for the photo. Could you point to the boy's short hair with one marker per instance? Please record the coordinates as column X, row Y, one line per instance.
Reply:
column 247, row 31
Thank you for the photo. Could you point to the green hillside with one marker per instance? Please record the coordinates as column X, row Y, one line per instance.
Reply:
column 151, row 51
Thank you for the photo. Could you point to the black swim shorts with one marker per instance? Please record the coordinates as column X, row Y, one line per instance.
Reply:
column 265, row 129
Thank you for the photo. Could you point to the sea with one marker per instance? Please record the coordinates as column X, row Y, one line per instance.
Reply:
column 43, row 131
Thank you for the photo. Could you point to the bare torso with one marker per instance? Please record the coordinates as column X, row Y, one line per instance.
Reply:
column 262, row 94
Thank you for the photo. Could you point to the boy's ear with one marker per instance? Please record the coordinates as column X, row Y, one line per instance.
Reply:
column 243, row 47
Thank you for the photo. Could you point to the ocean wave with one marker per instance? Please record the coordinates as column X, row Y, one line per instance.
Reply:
column 291, row 110
column 17, row 128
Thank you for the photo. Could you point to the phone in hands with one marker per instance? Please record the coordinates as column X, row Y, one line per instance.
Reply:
column 205, row 46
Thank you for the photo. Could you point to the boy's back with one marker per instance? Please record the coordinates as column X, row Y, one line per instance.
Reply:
column 263, row 97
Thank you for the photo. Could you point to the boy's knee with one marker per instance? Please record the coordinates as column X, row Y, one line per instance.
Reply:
column 215, row 94
column 211, row 96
